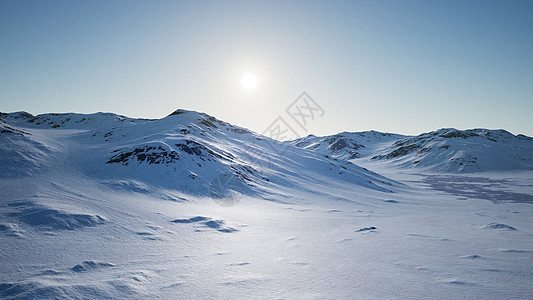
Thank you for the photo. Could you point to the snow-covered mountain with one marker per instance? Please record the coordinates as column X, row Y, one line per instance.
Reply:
column 451, row 150
column 184, row 151
column 103, row 206
column 347, row 145
column 443, row 150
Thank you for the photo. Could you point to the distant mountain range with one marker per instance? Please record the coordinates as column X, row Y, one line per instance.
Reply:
column 443, row 150
column 347, row 145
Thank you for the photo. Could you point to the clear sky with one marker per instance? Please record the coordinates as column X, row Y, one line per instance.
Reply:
column 395, row 66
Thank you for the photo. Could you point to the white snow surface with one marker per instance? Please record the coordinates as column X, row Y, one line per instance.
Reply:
column 188, row 206
column 443, row 150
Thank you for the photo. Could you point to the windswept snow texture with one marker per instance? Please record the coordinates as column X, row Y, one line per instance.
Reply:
column 52, row 219
column 191, row 207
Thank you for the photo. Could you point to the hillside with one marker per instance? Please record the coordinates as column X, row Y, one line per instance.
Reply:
column 103, row 206
column 185, row 151
column 347, row 145
column 443, row 150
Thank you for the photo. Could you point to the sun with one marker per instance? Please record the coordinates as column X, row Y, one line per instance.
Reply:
column 249, row 81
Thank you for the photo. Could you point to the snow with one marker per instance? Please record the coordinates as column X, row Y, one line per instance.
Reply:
column 297, row 225
column 445, row 150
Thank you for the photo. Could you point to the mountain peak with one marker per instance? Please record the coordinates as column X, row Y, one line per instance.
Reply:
column 193, row 115
column 178, row 112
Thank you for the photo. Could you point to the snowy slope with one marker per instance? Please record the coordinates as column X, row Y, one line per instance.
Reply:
column 21, row 152
column 347, row 145
column 185, row 151
column 452, row 150
column 444, row 150
column 190, row 207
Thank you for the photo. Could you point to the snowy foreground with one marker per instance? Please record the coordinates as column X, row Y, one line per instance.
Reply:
column 85, row 213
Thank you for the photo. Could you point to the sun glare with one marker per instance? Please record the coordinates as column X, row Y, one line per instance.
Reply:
column 249, row 81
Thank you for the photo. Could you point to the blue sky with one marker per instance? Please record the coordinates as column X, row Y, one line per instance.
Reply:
column 396, row 66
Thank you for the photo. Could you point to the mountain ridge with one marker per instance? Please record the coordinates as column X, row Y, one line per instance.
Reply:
column 136, row 140
column 185, row 150
column 442, row 150
column 104, row 206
